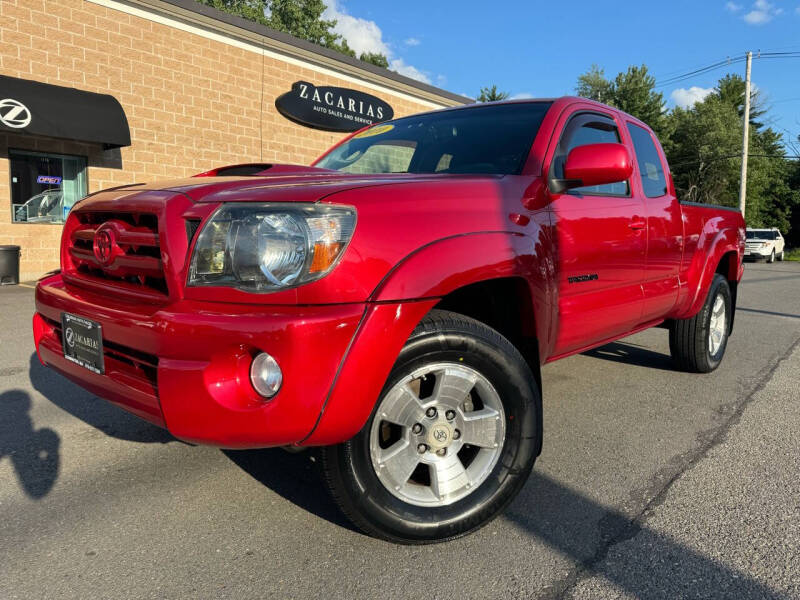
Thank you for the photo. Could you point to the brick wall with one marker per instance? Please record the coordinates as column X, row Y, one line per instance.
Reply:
column 192, row 103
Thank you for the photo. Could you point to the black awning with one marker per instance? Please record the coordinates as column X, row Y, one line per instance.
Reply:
column 33, row 108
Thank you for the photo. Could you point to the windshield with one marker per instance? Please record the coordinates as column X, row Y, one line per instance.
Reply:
column 491, row 140
column 760, row 235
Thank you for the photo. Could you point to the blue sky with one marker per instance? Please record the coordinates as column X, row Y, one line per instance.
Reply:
column 539, row 48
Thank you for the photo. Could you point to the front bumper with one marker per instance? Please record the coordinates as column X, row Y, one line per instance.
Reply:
column 185, row 365
column 757, row 254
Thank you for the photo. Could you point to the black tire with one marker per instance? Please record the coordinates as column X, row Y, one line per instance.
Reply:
column 771, row 258
column 780, row 256
column 689, row 341
column 444, row 337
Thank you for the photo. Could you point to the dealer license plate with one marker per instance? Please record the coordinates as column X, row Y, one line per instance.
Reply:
column 83, row 342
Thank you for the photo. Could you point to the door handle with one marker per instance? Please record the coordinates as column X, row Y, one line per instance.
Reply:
column 637, row 223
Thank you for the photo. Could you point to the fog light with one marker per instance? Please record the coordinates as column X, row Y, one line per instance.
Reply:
column 265, row 375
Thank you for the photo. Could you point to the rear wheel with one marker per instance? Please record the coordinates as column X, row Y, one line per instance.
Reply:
column 698, row 344
column 780, row 256
column 451, row 441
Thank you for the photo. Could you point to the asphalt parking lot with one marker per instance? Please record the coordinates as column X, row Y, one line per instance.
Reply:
column 652, row 484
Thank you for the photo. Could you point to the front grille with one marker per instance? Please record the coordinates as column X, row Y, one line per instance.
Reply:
column 131, row 258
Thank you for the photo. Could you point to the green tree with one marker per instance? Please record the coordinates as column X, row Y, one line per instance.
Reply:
column 703, row 138
column 703, row 144
column 300, row 18
column 303, row 19
column 731, row 89
column 491, row 94
column 704, row 151
column 375, row 58
column 252, row 10
column 771, row 197
column 594, row 86
column 793, row 237
column 632, row 91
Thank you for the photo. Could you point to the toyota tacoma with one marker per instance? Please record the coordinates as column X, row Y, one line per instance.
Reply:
column 393, row 303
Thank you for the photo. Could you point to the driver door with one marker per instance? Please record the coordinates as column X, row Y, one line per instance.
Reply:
column 601, row 234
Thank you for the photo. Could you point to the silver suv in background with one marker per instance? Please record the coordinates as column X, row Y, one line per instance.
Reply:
column 764, row 243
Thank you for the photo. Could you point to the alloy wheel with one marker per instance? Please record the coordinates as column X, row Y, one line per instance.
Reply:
column 437, row 435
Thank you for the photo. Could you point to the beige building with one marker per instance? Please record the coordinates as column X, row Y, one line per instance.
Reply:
column 194, row 87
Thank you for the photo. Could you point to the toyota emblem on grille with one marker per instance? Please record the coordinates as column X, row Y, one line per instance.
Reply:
column 104, row 245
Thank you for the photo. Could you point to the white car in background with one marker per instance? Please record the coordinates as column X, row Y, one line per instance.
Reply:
column 764, row 243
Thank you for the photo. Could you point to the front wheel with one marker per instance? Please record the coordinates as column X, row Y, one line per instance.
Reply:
column 771, row 258
column 698, row 344
column 451, row 441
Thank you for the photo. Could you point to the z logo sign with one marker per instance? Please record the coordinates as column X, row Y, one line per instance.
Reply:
column 14, row 113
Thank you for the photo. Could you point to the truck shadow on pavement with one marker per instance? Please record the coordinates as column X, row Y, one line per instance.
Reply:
column 592, row 535
column 565, row 519
column 34, row 453
column 100, row 414
column 653, row 566
column 294, row 476
column 632, row 354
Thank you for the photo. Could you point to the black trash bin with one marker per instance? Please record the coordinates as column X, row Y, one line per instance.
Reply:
column 9, row 265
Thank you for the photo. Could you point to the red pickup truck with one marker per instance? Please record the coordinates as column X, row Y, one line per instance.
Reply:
column 394, row 302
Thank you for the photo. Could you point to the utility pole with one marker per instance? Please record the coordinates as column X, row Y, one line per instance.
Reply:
column 746, row 136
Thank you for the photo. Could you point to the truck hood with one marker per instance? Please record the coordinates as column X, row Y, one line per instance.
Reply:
column 285, row 183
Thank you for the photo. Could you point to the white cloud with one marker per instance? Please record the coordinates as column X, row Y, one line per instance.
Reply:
column 398, row 65
column 365, row 36
column 361, row 35
column 520, row 96
column 686, row 98
column 763, row 12
column 412, row 41
column 733, row 7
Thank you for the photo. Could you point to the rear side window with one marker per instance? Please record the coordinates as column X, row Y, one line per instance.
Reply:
column 583, row 129
column 651, row 171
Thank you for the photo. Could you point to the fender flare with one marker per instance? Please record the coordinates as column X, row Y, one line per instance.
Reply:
column 706, row 259
column 399, row 302
column 442, row 266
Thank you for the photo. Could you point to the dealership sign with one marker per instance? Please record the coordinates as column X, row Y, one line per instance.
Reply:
column 332, row 108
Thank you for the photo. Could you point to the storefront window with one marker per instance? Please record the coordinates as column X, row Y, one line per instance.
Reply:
column 45, row 186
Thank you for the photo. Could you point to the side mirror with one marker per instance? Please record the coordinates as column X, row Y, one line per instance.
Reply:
column 595, row 164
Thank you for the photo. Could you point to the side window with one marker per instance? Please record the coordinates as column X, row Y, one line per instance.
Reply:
column 651, row 170
column 583, row 129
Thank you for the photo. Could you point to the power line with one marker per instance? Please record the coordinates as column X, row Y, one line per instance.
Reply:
column 669, row 74
column 700, row 71
column 728, row 61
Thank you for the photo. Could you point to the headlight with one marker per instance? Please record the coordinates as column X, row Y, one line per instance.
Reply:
column 270, row 247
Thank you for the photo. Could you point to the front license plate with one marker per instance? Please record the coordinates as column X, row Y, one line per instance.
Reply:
column 83, row 342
